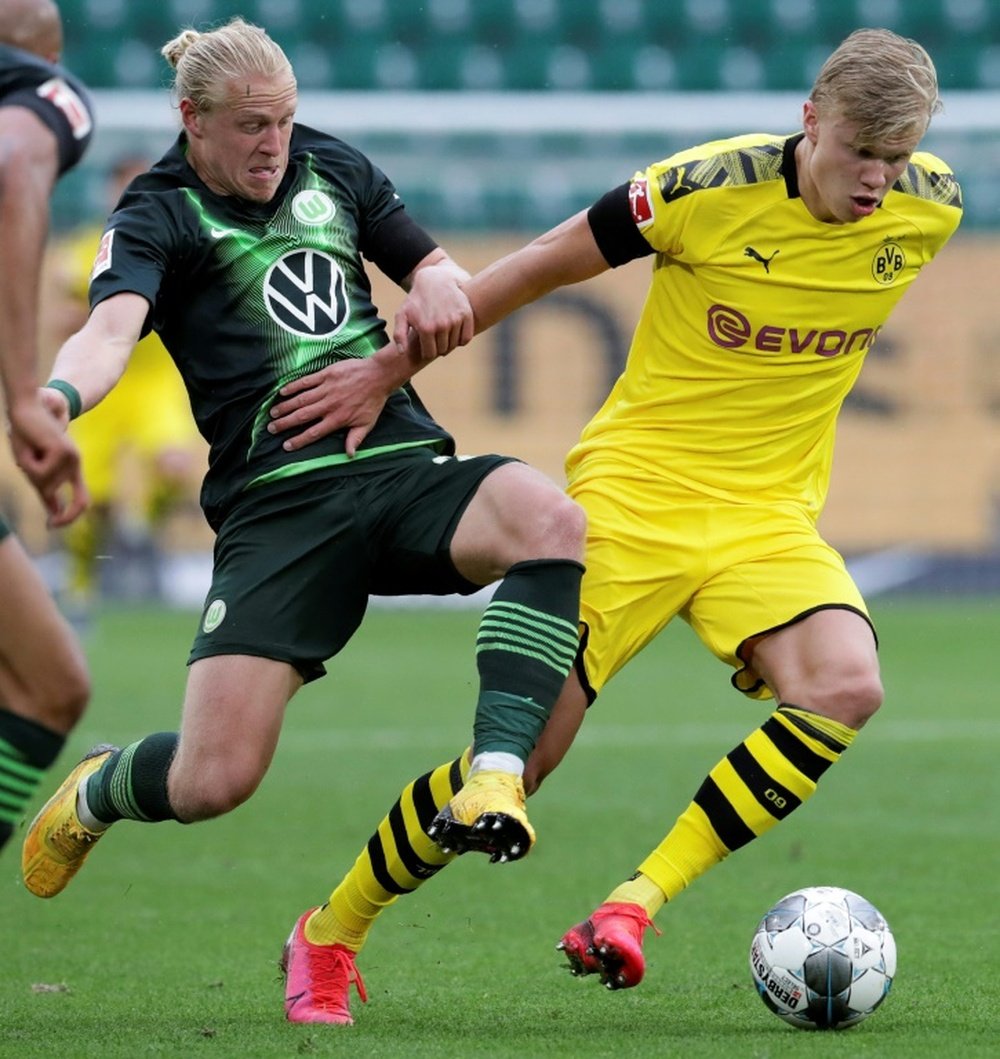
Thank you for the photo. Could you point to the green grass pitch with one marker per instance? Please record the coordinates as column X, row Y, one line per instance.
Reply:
column 166, row 944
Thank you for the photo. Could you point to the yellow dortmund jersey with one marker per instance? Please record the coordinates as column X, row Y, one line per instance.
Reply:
column 757, row 320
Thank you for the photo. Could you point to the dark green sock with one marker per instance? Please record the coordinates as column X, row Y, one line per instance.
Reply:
column 527, row 641
column 132, row 783
column 26, row 751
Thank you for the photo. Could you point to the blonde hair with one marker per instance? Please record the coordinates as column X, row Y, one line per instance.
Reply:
column 205, row 63
column 883, row 83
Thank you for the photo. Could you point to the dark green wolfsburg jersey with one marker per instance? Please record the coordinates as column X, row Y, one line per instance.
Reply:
column 247, row 296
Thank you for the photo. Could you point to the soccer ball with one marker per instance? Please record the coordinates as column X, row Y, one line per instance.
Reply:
column 823, row 958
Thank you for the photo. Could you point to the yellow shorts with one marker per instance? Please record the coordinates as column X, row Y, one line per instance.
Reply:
column 733, row 571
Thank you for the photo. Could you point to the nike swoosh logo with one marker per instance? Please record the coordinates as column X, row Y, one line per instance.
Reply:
column 219, row 233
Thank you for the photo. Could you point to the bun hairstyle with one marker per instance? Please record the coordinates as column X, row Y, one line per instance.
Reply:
column 206, row 63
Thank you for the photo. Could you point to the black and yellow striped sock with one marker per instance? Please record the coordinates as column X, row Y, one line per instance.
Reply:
column 769, row 775
column 527, row 641
column 27, row 749
column 397, row 859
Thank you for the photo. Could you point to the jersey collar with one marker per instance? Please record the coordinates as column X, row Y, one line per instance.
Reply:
column 788, row 168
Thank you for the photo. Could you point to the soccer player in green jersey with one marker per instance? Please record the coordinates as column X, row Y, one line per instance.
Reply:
column 46, row 123
column 776, row 260
column 242, row 247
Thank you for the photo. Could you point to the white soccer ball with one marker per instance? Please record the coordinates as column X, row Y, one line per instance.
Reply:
column 823, row 958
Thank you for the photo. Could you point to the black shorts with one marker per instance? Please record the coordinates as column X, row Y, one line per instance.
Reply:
column 296, row 561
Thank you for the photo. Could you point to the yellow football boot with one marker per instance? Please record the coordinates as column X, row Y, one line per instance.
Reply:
column 57, row 844
column 486, row 816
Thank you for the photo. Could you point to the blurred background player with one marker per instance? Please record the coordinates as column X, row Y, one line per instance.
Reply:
column 45, row 127
column 142, row 454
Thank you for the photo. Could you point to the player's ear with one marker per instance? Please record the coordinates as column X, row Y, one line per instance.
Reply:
column 810, row 120
column 190, row 117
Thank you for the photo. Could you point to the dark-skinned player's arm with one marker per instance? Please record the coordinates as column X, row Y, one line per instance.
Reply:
column 29, row 162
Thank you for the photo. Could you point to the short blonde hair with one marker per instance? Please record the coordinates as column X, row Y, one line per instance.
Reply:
column 206, row 63
column 883, row 83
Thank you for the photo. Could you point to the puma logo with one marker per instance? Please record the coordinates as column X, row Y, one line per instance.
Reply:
column 765, row 261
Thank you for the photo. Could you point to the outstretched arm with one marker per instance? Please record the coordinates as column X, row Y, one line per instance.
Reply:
column 351, row 393
column 93, row 359
column 565, row 254
column 90, row 362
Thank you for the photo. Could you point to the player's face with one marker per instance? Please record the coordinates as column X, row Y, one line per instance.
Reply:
column 843, row 178
column 241, row 147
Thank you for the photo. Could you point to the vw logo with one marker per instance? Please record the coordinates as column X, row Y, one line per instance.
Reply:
column 305, row 292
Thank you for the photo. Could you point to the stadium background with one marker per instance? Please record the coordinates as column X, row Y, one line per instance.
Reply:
column 498, row 118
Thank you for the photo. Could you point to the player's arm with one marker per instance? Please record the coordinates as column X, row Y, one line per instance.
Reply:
column 436, row 316
column 604, row 236
column 28, row 169
column 568, row 253
column 90, row 362
column 29, row 165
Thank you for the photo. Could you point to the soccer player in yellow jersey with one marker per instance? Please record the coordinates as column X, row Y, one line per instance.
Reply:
column 776, row 260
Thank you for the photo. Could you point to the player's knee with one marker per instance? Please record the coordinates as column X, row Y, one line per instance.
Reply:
column 66, row 700
column 864, row 699
column 572, row 522
column 557, row 530
column 227, row 789
column 852, row 698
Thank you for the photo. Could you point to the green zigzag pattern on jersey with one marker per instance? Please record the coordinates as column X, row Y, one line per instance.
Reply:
column 296, row 356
